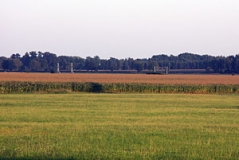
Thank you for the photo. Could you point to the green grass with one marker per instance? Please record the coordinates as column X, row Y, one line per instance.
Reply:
column 119, row 126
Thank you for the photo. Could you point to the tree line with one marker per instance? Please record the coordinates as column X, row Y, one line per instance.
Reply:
column 47, row 62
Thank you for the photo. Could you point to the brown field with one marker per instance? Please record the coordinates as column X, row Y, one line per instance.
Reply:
column 121, row 78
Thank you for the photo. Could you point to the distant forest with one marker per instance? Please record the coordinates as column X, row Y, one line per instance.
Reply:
column 47, row 62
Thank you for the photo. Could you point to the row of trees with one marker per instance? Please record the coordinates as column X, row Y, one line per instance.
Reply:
column 47, row 62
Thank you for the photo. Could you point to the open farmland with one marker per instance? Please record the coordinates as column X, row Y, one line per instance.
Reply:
column 121, row 78
column 119, row 126
column 117, row 83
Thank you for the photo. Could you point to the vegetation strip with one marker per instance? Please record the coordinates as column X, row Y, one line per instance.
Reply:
column 65, row 87
column 201, row 79
column 48, row 62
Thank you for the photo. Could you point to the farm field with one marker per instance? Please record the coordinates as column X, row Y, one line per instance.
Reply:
column 121, row 78
column 119, row 126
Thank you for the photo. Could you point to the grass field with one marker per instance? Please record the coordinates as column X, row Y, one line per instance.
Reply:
column 121, row 78
column 119, row 126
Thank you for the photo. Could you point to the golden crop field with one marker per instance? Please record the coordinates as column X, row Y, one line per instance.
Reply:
column 121, row 78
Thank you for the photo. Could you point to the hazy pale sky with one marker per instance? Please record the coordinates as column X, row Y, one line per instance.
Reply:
column 119, row 28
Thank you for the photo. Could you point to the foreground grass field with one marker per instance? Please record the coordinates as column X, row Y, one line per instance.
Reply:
column 119, row 126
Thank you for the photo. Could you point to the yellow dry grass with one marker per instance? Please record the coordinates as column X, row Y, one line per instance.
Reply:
column 121, row 78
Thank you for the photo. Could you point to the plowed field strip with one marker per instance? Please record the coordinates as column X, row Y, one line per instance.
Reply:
column 121, row 78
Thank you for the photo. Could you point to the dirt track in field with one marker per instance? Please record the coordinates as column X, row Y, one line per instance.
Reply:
column 121, row 78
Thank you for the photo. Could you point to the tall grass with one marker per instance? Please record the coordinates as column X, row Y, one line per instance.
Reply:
column 119, row 126
column 65, row 87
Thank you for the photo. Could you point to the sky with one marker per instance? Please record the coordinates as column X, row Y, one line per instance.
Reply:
column 119, row 28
